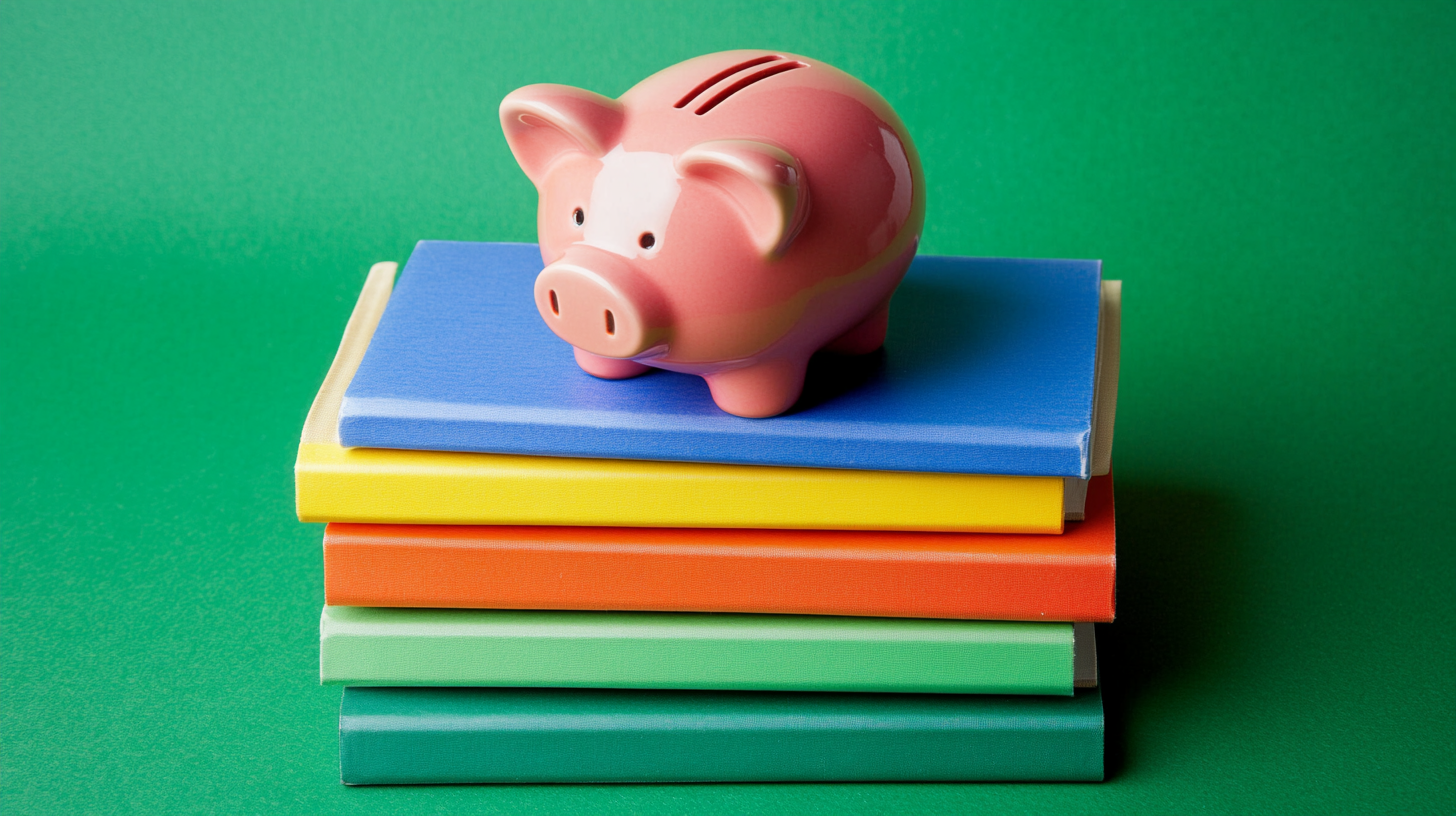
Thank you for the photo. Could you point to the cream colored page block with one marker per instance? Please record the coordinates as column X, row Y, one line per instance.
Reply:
column 1104, row 405
column 1074, row 499
column 322, row 424
column 1104, row 400
column 1084, row 655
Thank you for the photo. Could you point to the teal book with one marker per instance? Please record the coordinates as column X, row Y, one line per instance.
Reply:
column 403, row 736
column 362, row 646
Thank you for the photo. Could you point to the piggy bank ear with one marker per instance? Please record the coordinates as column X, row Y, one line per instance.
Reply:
column 545, row 122
column 765, row 182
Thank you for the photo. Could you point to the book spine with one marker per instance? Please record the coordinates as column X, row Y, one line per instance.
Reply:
column 432, row 487
column 419, row 425
column 542, row 568
column 403, row 647
column 469, row 735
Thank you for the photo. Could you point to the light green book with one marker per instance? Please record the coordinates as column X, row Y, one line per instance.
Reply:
column 680, row 650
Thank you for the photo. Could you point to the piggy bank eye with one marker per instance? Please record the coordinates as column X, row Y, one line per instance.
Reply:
column 647, row 240
column 578, row 217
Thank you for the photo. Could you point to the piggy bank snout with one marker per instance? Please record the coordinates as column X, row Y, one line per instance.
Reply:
column 595, row 312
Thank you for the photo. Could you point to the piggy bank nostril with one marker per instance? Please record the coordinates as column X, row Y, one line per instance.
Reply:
column 587, row 308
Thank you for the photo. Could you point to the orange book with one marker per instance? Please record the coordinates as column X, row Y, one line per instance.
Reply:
column 978, row 576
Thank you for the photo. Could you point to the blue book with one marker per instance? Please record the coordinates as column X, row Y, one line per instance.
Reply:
column 990, row 366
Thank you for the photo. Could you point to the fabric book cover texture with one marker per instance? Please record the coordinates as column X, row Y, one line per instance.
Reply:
column 436, row 487
column 362, row 646
column 390, row 736
column 974, row 576
column 990, row 367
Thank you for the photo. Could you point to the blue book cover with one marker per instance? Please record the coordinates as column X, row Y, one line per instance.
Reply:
column 989, row 367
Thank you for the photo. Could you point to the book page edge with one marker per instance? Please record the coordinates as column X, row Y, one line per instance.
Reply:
column 322, row 424
column 1084, row 655
column 1104, row 404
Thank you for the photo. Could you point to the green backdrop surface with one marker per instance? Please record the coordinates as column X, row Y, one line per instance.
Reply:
column 191, row 194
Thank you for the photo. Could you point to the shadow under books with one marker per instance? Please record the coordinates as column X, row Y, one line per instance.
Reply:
column 1180, row 576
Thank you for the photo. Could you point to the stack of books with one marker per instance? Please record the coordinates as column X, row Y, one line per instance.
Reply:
column 536, row 576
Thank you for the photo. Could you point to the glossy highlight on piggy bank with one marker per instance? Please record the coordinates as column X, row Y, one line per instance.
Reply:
column 727, row 217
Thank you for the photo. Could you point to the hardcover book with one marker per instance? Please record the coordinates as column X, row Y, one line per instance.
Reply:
column 393, row 736
column 990, row 367
column 335, row 483
column 974, row 576
column 361, row 646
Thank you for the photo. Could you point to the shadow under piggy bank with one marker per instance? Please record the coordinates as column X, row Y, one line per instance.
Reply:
column 932, row 324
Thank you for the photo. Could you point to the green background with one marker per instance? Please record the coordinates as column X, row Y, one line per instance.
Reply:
column 191, row 194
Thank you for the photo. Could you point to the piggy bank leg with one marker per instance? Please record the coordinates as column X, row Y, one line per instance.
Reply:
column 761, row 390
column 608, row 368
column 865, row 337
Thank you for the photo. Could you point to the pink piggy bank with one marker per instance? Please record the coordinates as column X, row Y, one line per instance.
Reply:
column 726, row 217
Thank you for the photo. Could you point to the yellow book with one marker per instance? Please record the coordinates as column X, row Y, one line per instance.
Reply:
column 335, row 483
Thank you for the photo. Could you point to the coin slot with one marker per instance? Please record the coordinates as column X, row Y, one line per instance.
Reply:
column 722, row 75
column 746, row 81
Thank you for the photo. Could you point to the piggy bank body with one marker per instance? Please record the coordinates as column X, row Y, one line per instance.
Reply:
column 726, row 217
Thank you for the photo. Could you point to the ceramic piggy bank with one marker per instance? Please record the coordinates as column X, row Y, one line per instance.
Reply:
column 726, row 217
